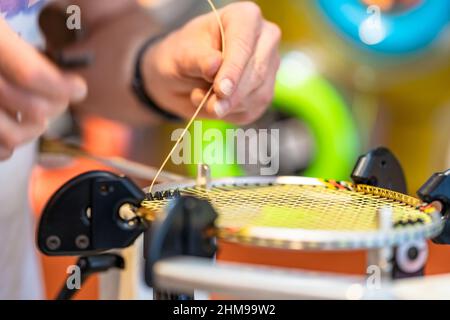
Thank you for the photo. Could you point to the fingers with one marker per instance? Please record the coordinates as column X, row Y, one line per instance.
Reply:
column 32, row 91
column 247, row 108
column 13, row 133
column 23, row 116
column 256, row 87
column 25, row 67
column 263, row 64
column 197, row 58
column 259, row 92
column 255, row 106
column 197, row 97
column 260, row 69
column 243, row 25
column 198, row 63
column 8, row 137
column 190, row 60
column 33, row 108
column 77, row 87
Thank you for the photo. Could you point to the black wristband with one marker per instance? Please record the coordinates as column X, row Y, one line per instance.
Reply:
column 138, row 83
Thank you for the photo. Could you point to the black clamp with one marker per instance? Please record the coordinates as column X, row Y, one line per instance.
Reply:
column 187, row 228
column 84, row 216
column 380, row 168
column 89, row 266
column 437, row 188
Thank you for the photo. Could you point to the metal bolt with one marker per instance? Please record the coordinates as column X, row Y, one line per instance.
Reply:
column 413, row 253
column 384, row 216
column 203, row 176
column 106, row 190
column 382, row 257
column 53, row 242
column 82, row 241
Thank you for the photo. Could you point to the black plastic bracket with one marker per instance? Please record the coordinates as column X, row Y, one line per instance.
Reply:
column 437, row 188
column 183, row 230
column 409, row 260
column 82, row 217
column 380, row 168
column 89, row 266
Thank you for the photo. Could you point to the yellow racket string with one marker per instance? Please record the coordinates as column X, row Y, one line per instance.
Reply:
column 199, row 108
column 309, row 207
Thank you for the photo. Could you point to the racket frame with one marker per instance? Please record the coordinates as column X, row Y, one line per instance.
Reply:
column 302, row 239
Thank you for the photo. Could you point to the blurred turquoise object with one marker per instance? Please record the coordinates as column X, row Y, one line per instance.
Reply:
column 408, row 31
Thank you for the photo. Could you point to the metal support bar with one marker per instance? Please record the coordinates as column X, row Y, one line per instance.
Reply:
column 185, row 274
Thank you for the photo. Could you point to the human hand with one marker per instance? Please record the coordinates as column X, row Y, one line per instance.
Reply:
column 32, row 91
column 180, row 68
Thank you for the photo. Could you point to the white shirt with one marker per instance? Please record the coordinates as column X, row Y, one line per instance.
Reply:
column 20, row 276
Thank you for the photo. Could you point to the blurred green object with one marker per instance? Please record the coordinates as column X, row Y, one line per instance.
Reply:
column 217, row 170
column 303, row 94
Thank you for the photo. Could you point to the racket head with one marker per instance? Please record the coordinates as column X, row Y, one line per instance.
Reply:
column 302, row 213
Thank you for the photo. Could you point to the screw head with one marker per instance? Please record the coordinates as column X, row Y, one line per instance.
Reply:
column 105, row 189
column 82, row 241
column 413, row 253
column 53, row 242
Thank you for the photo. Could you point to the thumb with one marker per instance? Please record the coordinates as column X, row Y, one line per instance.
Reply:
column 204, row 65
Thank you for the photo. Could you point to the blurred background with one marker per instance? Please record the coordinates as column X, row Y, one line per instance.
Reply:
column 356, row 74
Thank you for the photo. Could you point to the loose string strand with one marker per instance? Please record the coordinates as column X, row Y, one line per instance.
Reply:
column 199, row 108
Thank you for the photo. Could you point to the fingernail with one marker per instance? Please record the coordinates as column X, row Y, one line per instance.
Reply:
column 79, row 89
column 221, row 108
column 227, row 87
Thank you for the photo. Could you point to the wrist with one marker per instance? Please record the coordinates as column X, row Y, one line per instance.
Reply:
column 150, row 70
column 146, row 79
